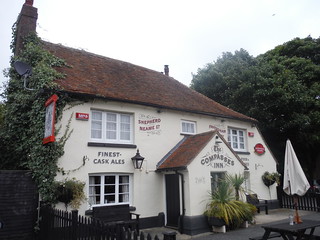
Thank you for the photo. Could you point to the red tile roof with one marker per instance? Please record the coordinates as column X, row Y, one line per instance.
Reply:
column 187, row 149
column 108, row 78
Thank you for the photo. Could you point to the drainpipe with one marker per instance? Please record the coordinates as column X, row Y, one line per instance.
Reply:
column 183, row 204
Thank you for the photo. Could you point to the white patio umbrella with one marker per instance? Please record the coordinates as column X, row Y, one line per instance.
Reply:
column 294, row 180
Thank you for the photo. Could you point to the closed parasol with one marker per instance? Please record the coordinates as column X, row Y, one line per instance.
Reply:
column 294, row 180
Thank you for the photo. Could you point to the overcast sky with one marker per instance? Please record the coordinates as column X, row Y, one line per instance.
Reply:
column 184, row 34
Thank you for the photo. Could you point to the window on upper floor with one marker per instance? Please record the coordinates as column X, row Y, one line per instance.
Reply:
column 188, row 127
column 236, row 139
column 111, row 127
column 109, row 189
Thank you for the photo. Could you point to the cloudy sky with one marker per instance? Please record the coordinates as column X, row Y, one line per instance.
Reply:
column 184, row 34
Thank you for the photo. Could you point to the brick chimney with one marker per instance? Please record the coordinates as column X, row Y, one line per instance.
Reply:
column 26, row 23
column 166, row 70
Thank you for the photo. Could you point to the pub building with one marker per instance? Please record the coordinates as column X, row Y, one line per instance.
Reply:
column 148, row 140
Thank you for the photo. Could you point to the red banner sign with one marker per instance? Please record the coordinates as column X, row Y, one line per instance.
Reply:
column 82, row 116
column 50, row 105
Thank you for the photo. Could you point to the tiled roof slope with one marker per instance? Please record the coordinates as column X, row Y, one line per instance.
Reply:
column 122, row 81
column 186, row 151
column 188, row 148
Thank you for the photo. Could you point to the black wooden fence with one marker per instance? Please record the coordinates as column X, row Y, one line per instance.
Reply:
column 62, row 225
column 18, row 205
column 309, row 202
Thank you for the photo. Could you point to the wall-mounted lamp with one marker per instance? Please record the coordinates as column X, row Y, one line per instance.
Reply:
column 137, row 160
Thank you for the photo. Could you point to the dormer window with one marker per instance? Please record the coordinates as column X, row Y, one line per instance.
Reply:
column 188, row 127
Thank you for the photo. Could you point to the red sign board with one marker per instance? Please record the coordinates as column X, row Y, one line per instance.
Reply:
column 82, row 116
column 251, row 134
column 259, row 149
column 50, row 105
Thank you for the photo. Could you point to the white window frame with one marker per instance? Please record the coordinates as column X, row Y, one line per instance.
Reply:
column 191, row 123
column 117, row 139
column 102, row 194
column 236, row 138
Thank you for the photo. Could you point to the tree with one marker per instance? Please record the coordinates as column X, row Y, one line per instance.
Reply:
column 279, row 88
column 22, row 130
column 2, row 109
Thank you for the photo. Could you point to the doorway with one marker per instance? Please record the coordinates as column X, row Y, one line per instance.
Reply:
column 172, row 199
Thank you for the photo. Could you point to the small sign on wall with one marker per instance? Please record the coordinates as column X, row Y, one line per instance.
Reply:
column 82, row 116
column 251, row 134
column 259, row 149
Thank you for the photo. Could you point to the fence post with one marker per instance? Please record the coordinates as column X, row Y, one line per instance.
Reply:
column 74, row 224
column 318, row 201
column 280, row 196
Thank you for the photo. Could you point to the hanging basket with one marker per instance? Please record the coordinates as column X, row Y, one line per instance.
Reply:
column 268, row 182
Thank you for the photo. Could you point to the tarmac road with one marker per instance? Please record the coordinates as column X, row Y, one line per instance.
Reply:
column 254, row 230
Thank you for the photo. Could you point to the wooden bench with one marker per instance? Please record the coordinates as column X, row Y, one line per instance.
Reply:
column 118, row 215
column 258, row 203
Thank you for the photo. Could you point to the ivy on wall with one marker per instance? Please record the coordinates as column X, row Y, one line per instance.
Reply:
column 23, row 126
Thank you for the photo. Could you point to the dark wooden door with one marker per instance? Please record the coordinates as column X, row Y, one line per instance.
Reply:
column 172, row 200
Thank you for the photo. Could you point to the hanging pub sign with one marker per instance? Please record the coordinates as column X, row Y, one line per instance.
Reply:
column 259, row 149
column 50, row 117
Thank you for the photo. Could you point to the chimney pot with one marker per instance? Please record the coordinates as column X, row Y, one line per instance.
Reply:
column 166, row 70
column 29, row 2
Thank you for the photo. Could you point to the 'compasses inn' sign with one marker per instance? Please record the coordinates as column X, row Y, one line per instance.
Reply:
column 216, row 158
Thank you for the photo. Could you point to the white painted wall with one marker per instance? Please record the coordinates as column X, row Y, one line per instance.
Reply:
column 200, row 173
column 148, row 186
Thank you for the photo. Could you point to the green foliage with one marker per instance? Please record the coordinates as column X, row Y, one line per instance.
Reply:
column 270, row 178
column 70, row 191
column 236, row 181
column 2, row 110
column 23, row 127
column 280, row 89
column 223, row 205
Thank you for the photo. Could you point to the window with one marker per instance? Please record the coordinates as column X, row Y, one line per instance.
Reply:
column 111, row 127
column 236, row 139
column 109, row 189
column 188, row 127
column 216, row 177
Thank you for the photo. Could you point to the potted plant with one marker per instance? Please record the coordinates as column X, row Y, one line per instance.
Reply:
column 70, row 191
column 224, row 209
column 270, row 178
column 236, row 182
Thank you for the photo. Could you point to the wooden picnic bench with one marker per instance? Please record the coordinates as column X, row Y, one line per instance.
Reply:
column 118, row 215
column 258, row 203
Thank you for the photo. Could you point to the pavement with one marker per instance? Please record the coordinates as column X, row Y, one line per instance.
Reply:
column 253, row 230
